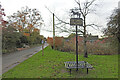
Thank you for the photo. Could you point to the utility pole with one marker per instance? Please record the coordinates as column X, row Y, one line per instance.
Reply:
column 53, row 32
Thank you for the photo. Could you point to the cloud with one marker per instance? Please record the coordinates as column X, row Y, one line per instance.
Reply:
column 103, row 10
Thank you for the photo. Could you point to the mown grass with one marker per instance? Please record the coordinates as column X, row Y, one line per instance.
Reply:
column 51, row 65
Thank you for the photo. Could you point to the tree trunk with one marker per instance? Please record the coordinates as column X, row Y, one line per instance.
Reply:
column 85, row 47
column 85, row 39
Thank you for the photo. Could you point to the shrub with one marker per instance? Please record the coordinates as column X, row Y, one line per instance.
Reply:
column 97, row 47
column 58, row 42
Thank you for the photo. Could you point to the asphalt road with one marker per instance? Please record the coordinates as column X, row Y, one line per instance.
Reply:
column 11, row 60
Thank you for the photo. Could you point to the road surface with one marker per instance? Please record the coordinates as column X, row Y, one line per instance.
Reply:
column 11, row 60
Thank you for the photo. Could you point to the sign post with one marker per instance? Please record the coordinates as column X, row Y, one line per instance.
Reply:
column 75, row 22
column 42, row 47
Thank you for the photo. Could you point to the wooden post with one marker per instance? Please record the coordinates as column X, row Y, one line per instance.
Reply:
column 42, row 48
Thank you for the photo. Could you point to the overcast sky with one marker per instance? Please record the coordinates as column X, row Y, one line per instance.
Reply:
column 61, row 8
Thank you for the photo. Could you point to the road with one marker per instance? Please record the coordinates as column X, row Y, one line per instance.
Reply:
column 11, row 60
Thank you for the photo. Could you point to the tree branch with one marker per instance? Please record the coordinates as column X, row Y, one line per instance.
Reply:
column 78, row 2
column 90, row 3
column 92, row 25
column 56, row 16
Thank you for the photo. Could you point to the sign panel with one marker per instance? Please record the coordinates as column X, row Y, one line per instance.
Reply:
column 76, row 21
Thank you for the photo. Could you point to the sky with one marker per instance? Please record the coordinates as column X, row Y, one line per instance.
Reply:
column 61, row 8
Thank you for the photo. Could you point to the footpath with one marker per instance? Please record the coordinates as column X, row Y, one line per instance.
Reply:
column 11, row 60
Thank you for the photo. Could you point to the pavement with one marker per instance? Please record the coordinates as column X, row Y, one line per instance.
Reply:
column 11, row 60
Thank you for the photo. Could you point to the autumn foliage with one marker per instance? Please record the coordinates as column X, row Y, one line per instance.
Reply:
column 26, row 34
column 36, row 30
column 21, row 29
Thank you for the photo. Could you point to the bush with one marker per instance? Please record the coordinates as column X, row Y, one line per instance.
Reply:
column 101, row 49
column 9, row 39
column 97, row 47
column 58, row 42
column 68, row 47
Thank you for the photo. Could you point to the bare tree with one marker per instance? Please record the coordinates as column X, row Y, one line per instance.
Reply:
column 84, row 10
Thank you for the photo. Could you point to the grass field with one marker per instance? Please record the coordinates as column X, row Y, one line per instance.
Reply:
column 51, row 65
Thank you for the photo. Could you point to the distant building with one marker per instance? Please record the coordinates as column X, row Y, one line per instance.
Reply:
column 92, row 38
column 58, row 41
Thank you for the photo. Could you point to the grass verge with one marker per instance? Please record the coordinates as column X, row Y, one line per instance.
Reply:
column 51, row 65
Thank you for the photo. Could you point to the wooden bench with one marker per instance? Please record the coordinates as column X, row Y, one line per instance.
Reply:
column 81, row 64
